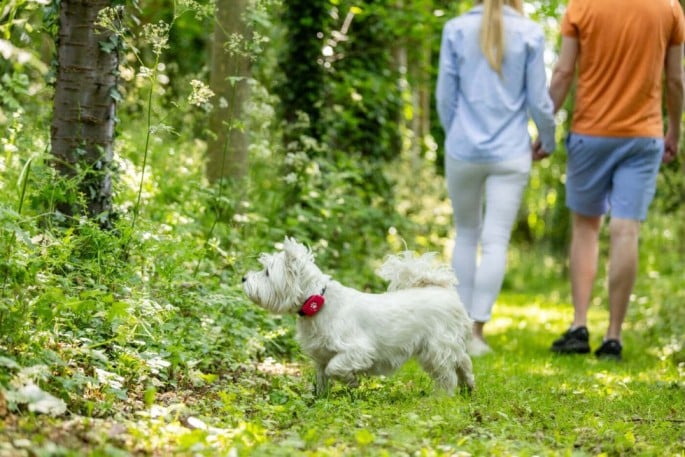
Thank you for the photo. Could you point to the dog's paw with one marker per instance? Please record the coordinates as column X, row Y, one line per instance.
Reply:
column 352, row 382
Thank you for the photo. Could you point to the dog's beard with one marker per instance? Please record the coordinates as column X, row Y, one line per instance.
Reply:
column 272, row 288
column 267, row 295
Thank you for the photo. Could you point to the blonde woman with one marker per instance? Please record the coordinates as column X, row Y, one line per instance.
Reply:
column 491, row 79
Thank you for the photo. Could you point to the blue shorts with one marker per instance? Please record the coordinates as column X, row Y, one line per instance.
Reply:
column 612, row 174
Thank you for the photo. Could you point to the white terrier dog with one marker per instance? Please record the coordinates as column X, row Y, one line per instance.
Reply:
column 349, row 333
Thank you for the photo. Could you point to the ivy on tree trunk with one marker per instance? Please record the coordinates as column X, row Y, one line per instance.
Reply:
column 302, row 90
column 84, row 109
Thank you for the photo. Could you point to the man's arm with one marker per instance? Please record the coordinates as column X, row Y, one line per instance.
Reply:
column 562, row 78
column 564, row 71
column 674, row 100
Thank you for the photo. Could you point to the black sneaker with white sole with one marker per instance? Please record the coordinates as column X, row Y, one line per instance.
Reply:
column 574, row 341
column 610, row 349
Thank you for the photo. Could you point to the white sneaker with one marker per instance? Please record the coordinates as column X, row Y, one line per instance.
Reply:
column 477, row 347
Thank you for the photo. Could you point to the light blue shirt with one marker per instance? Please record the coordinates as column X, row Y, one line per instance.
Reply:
column 485, row 116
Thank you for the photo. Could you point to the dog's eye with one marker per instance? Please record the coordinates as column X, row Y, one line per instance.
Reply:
column 267, row 272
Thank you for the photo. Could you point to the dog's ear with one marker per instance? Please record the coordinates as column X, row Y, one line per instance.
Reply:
column 294, row 251
column 296, row 256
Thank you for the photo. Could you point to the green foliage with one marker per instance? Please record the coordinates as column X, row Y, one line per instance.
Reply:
column 670, row 191
column 21, row 65
column 305, row 23
column 364, row 93
column 544, row 218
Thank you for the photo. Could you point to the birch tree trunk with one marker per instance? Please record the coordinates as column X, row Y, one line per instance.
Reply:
column 84, row 108
column 227, row 149
column 420, row 78
column 413, row 58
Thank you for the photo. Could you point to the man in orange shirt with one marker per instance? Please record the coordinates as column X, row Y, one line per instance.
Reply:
column 621, row 49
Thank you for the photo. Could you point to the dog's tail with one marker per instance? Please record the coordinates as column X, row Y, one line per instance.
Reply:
column 406, row 270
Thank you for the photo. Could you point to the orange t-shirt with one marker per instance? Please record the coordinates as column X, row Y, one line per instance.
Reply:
column 622, row 50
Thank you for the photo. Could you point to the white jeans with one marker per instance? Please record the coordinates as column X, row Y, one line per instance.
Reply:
column 488, row 225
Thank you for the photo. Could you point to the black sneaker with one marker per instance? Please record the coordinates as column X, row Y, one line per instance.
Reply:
column 574, row 341
column 610, row 349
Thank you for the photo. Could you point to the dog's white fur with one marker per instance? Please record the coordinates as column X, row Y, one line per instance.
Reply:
column 358, row 333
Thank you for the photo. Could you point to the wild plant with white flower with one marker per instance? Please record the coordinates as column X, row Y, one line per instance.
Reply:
column 200, row 95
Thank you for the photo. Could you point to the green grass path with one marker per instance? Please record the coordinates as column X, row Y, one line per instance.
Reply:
column 528, row 401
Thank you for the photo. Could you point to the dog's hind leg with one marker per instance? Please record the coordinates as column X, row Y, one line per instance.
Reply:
column 465, row 370
column 446, row 380
column 436, row 363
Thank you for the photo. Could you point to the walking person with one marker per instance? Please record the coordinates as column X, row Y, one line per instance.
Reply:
column 491, row 77
column 620, row 50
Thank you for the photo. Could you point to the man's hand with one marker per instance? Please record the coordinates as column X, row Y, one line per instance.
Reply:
column 670, row 147
column 538, row 152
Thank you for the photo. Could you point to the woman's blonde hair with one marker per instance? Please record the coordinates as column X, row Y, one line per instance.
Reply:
column 492, row 30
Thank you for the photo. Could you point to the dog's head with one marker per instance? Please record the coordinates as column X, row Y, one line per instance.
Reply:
column 287, row 279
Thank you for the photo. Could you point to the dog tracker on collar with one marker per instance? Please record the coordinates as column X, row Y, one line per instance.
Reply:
column 312, row 305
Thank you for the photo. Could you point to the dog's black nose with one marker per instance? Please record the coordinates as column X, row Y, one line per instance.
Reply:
column 244, row 278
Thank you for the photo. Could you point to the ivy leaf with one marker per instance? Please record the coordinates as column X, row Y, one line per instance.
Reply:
column 116, row 95
column 38, row 400
column 9, row 363
column 110, row 45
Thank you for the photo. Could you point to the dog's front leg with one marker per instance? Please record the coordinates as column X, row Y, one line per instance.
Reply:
column 344, row 367
column 321, row 382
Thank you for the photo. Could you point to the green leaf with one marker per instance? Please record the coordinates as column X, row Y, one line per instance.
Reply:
column 364, row 437
column 9, row 363
column 118, row 309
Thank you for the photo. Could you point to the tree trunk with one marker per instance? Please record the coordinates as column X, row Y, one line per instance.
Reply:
column 412, row 57
column 84, row 107
column 227, row 149
column 400, row 62
column 421, row 76
column 421, row 79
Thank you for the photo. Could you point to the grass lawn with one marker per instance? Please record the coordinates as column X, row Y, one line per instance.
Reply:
column 527, row 402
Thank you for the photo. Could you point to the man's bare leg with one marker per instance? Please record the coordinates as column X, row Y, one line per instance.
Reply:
column 583, row 263
column 623, row 261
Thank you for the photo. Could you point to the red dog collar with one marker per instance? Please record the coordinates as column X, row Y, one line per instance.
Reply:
column 313, row 304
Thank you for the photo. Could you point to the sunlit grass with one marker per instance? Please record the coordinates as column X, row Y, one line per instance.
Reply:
column 528, row 401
